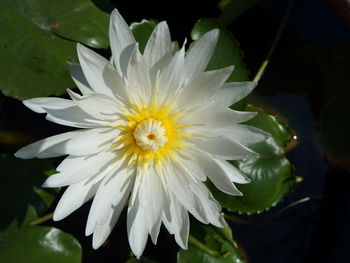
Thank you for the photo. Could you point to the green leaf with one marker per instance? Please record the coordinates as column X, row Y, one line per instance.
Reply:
column 32, row 244
column 227, row 51
column 209, row 244
column 232, row 9
column 22, row 197
column 38, row 37
column 142, row 31
column 271, row 174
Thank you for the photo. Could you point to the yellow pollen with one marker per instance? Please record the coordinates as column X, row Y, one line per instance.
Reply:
column 150, row 134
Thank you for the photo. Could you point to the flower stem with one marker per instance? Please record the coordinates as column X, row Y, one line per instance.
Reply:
column 196, row 243
column 41, row 219
column 274, row 43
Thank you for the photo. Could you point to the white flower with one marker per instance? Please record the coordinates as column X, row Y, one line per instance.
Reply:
column 154, row 127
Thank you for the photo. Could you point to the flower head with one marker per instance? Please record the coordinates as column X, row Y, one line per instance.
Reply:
column 154, row 127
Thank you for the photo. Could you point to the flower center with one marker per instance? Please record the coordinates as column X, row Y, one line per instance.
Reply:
column 150, row 135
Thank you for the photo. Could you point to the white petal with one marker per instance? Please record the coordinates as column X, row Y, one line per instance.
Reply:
column 158, row 45
column 108, row 204
column 178, row 222
column 171, row 75
column 151, row 196
column 137, row 230
column 178, row 182
column 79, row 78
column 118, row 86
column 100, row 106
column 233, row 92
column 217, row 116
column 232, row 172
column 120, row 37
column 93, row 66
column 111, row 190
column 201, row 88
column 138, row 76
column 75, row 169
column 88, row 142
column 71, row 116
column 75, row 196
column 215, row 173
column 38, row 104
column 211, row 206
column 222, row 147
column 196, row 198
column 45, row 148
column 243, row 134
column 200, row 53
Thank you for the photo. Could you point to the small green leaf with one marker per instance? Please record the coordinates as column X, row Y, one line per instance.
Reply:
column 33, row 244
column 209, row 244
column 271, row 174
column 227, row 51
column 22, row 197
column 38, row 37
column 142, row 31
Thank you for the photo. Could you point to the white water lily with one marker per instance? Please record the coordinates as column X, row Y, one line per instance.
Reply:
column 154, row 127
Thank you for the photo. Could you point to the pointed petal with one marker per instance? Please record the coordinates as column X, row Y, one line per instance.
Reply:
column 93, row 66
column 120, row 37
column 71, row 116
column 178, row 222
column 75, row 196
column 217, row 116
column 223, row 148
column 151, row 200
column 178, row 182
column 201, row 89
column 232, row 172
column 88, row 142
column 215, row 173
column 233, row 92
column 137, row 230
column 243, row 134
column 171, row 75
column 75, row 169
column 79, row 78
column 200, row 53
column 38, row 104
column 108, row 204
column 100, row 106
column 158, row 45
column 138, row 76
column 45, row 148
column 113, row 190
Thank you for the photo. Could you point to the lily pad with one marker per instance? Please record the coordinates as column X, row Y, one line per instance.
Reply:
column 209, row 244
column 271, row 174
column 22, row 197
column 32, row 244
column 38, row 37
